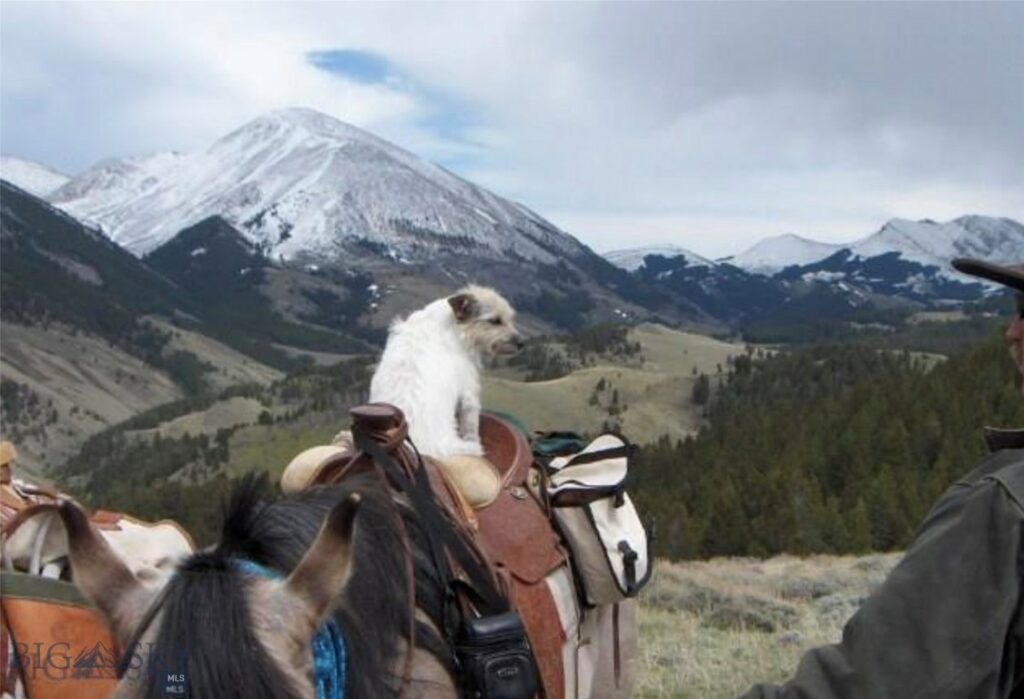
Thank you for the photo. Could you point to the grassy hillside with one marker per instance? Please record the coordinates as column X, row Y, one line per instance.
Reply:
column 73, row 384
column 60, row 387
column 647, row 391
column 227, row 366
column 646, row 395
column 712, row 629
column 654, row 398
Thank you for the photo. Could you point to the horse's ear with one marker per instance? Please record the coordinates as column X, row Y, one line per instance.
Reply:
column 100, row 574
column 324, row 569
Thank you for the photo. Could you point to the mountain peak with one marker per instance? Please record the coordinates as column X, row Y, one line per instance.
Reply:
column 632, row 259
column 299, row 182
column 305, row 120
column 774, row 254
column 792, row 237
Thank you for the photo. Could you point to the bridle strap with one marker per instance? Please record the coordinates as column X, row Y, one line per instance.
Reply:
column 410, row 586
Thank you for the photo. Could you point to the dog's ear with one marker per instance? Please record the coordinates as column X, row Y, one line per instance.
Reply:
column 463, row 305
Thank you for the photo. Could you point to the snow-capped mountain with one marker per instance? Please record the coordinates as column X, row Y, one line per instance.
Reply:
column 934, row 244
column 903, row 263
column 33, row 177
column 633, row 258
column 909, row 248
column 774, row 254
column 911, row 259
column 298, row 181
column 926, row 243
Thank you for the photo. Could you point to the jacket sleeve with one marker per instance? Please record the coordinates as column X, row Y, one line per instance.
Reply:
column 938, row 626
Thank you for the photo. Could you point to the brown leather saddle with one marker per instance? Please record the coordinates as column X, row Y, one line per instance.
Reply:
column 514, row 533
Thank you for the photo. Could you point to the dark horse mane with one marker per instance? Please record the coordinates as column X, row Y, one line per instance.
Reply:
column 208, row 592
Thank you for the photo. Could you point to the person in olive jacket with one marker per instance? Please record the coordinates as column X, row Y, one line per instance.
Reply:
column 948, row 620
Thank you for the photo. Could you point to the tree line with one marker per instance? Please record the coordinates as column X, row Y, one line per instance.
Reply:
column 839, row 449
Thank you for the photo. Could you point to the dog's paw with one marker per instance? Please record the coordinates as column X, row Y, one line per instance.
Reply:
column 467, row 447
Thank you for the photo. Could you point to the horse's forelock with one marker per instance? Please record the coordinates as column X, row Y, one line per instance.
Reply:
column 205, row 643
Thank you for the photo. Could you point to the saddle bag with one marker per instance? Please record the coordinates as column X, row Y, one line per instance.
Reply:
column 610, row 548
column 495, row 660
column 53, row 643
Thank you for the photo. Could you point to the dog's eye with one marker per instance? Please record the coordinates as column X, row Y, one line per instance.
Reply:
column 495, row 321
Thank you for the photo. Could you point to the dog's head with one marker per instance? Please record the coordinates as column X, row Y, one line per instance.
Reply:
column 485, row 320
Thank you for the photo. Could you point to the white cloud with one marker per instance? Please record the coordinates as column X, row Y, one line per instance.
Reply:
column 706, row 125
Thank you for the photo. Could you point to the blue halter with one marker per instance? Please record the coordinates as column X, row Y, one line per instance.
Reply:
column 329, row 657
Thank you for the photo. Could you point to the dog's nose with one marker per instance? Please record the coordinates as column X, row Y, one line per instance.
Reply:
column 518, row 342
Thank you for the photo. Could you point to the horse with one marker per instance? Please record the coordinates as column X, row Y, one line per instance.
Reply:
column 237, row 619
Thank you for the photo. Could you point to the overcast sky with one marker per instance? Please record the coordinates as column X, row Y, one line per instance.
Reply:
column 706, row 125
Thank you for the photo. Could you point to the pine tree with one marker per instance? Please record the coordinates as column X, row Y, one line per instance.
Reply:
column 701, row 390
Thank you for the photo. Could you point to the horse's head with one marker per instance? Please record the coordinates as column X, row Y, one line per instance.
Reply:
column 212, row 629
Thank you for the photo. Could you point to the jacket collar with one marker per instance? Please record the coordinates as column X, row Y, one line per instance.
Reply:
column 998, row 439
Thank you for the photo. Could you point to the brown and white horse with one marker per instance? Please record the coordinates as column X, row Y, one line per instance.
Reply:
column 213, row 630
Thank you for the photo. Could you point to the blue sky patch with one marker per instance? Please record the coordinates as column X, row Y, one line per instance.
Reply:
column 445, row 114
column 361, row 66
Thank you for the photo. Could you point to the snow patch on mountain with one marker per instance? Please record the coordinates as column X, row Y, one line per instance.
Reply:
column 298, row 181
column 96, row 195
column 633, row 258
column 34, row 178
column 935, row 244
column 925, row 242
column 772, row 255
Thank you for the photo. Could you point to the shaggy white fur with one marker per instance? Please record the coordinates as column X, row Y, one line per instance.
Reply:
column 431, row 367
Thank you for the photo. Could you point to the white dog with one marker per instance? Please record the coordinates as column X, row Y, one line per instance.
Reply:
column 431, row 368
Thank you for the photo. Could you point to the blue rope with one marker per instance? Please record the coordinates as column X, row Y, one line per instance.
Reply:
column 329, row 653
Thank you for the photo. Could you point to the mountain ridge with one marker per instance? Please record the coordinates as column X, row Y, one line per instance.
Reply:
column 926, row 242
column 298, row 182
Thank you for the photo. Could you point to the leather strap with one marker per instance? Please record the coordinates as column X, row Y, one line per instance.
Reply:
column 441, row 534
column 410, row 579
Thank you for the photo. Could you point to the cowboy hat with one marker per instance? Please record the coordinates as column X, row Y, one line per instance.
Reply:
column 1007, row 275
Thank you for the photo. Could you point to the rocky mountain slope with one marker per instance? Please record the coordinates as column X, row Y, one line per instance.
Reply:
column 92, row 335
